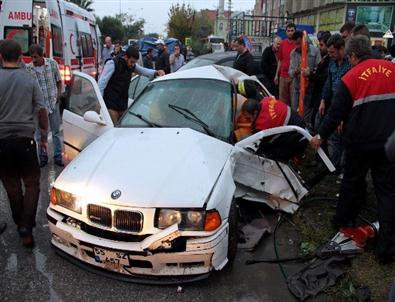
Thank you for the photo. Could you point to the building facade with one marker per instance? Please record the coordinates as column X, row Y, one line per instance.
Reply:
column 377, row 15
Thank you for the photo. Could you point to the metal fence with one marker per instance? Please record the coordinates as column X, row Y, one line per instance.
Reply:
column 256, row 26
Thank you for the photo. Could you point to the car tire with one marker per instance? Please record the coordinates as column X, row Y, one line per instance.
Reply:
column 233, row 232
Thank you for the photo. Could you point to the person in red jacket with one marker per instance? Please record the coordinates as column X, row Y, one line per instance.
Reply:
column 267, row 113
column 365, row 101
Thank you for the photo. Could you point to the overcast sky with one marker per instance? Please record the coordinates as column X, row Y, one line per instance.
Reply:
column 155, row 11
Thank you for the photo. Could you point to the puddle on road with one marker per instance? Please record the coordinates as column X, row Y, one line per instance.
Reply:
column 41, row 260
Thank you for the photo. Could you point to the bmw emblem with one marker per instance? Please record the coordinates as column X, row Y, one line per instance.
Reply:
column 116, row 194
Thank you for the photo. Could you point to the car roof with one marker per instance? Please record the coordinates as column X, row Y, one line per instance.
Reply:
column 214, row 72
column 217, row 56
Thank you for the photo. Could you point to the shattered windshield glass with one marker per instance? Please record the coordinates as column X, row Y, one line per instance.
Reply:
column 209, row 100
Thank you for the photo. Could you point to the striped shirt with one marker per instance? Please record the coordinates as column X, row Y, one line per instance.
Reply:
column 47, row 76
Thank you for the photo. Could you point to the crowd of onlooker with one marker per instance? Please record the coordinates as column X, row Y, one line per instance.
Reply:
column 347, row 103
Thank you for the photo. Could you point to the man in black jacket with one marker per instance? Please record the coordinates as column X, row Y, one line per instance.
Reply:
column 162, row 59
column 269, row 66
column 244, row 60
column 115, row 80
column 365, row 100
column 318, row 77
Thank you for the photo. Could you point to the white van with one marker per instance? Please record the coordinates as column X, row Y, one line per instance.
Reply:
column 67, row 33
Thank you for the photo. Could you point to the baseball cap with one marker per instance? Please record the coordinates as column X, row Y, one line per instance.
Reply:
column 159, row 41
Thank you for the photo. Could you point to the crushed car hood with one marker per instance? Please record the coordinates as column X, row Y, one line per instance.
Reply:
column 151, row 167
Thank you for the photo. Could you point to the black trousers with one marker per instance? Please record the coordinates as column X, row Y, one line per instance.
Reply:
column 353, row 194
column 18, row 162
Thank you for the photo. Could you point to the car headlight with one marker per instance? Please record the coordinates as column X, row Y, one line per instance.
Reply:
column 66, row 200
column 188, row 219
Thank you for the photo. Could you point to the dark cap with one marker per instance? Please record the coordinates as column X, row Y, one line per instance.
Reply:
column 247, row 88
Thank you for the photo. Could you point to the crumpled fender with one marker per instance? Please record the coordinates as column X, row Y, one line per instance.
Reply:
column 161, row 239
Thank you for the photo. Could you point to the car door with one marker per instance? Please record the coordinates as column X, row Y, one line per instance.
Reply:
column 84, row 101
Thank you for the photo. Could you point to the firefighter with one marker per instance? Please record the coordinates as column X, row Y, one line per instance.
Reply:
column 267, row 113
column 365, row 101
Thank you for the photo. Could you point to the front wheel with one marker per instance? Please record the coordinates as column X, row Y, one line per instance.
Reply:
column 233, row 232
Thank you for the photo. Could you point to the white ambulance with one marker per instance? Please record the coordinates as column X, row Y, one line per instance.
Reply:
column 68, row 33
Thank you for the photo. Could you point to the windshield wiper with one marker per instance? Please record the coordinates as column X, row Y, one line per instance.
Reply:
column 152, row 124
column 189, row 115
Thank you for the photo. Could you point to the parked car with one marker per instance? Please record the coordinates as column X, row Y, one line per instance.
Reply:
column 154, row 195
column 224, row 59
column 218, row 58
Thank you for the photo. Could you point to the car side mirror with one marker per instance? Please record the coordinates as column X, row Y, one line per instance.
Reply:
column 94, row 117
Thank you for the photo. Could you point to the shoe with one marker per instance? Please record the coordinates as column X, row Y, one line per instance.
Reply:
column 339, row 178
column 3, row 226
column 59, row 162
column 28, row 241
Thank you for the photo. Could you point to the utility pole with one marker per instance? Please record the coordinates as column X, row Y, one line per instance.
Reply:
column 229, row 21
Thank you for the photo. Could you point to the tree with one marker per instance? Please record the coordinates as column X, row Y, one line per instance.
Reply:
column 153, row 35
column 186, row 22
column 181, row 19
column 133, row 29
column 85, row 4
column 111, row 26
column 202, row 26
column 121, row 27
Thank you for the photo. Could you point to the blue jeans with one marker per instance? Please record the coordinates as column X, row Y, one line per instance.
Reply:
column 295, row 99
column 54, row 124
column 308, row 109
column 335, row 147
column 392, row 294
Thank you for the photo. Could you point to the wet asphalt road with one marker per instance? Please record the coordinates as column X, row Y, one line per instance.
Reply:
column 42, row 275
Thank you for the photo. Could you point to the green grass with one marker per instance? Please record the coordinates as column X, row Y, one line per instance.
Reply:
column 312, row 223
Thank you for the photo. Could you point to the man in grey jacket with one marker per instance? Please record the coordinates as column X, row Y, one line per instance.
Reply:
column 20, row 101
column 313, row 59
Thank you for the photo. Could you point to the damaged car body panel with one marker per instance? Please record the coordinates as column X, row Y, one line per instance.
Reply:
column 265, row 180
column 155, row 195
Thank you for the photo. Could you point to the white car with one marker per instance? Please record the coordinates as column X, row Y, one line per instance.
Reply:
column 154, row 195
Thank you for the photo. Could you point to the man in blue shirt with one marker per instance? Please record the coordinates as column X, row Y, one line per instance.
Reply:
column 338, row 67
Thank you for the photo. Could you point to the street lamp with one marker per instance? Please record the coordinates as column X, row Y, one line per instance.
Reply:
column 388, row 35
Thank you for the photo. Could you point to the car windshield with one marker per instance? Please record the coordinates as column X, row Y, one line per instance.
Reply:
column 201, row 104
column 197, row 62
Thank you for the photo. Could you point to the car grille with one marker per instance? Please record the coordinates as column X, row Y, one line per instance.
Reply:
column 128, row 221
column 99, row 215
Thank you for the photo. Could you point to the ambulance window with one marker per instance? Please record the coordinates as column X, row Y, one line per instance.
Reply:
column 87, row 47
column 57, row 47
column 20, row 35
column 84, row 46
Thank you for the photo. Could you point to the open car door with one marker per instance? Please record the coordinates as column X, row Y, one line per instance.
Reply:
column 262, row 179
column 137, row 85
column 85, row 117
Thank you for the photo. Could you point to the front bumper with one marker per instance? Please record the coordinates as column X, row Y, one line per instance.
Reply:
column 199, row 256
